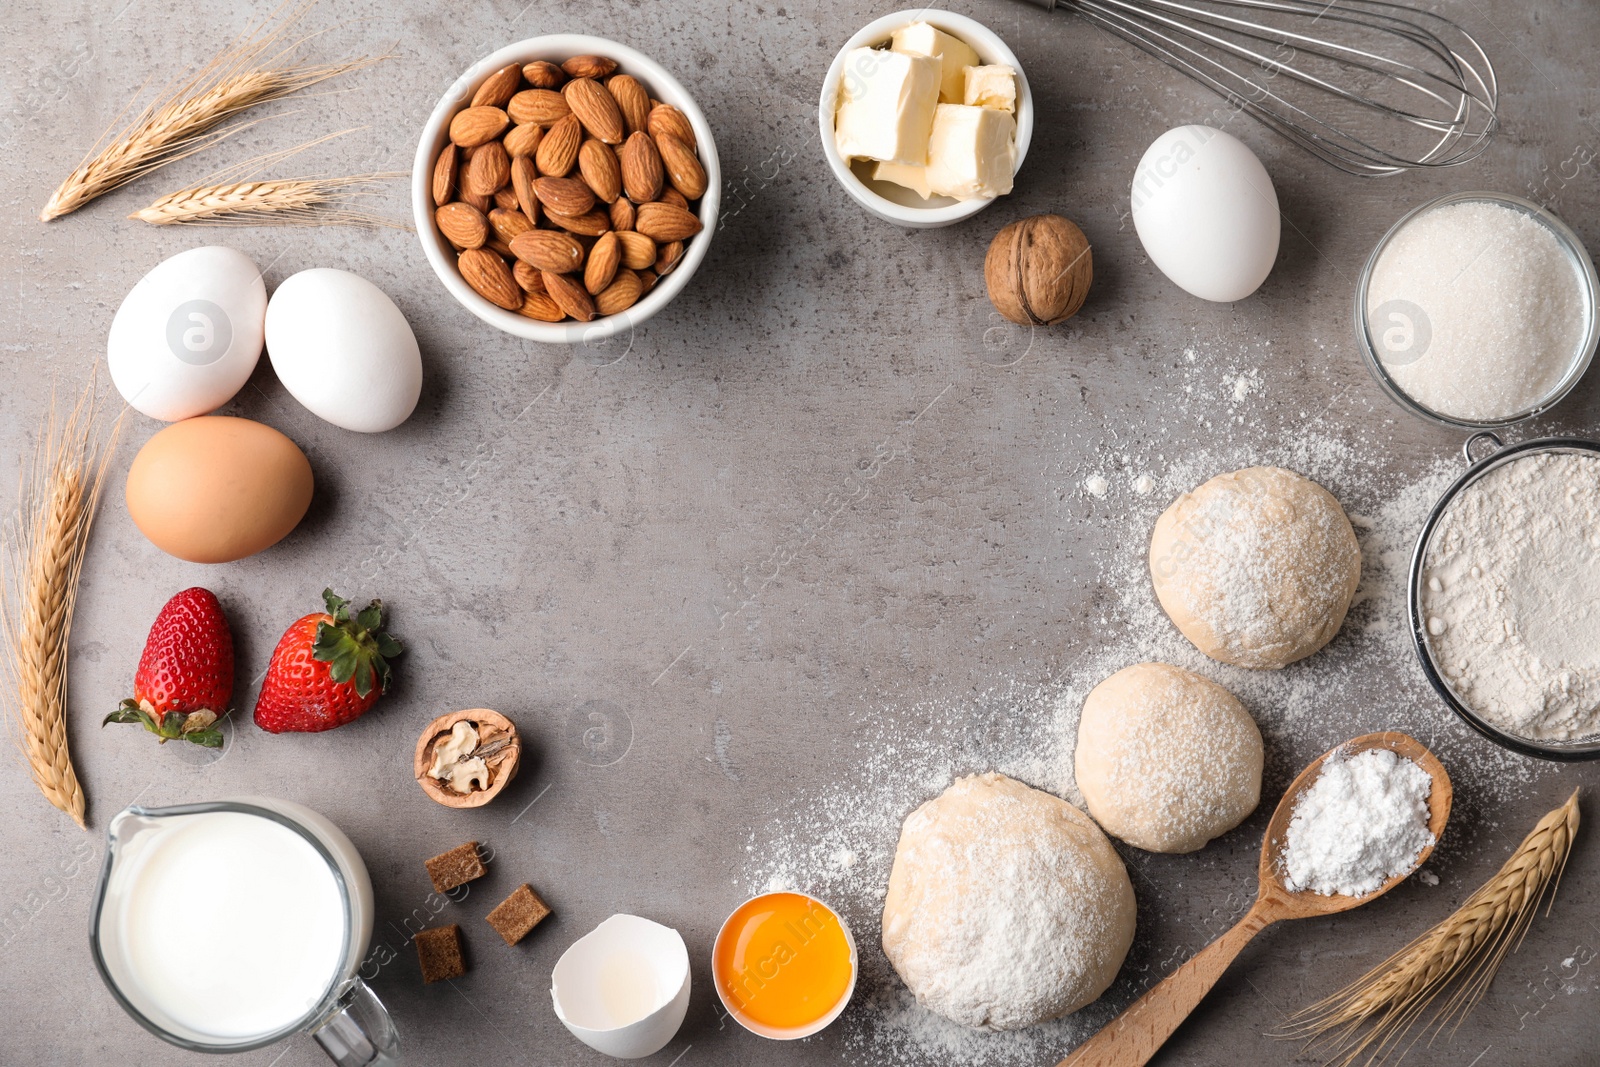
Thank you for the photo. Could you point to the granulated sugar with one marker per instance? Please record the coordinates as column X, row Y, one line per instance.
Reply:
column 1363, row 821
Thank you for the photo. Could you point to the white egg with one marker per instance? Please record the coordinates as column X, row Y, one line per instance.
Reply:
column 1206, row 213
column 188, row 335
column 342, row 348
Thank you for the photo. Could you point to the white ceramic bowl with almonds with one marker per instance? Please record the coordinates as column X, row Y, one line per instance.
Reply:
column 590, row 178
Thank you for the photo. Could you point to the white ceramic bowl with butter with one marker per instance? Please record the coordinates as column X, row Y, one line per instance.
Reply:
column 886, row 200
column 558, row 47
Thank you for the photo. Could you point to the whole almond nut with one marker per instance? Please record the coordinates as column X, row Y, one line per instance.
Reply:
column 664, row 118
column 604, row 259
column 632, row 100
column 622, row 213
column 665, row 222
column 597, row 162
column 570, row 296
column 508, row 223
column 669, row 195
column 506, row 197
column 545, row 107
column 589, row 66
column 540, row 306
column 564, row 196
column 444, row 175
column 667, row 258
column 591, row 224
column 638, row 251
column 477, row 125
column 499, row 247
column 528, row 276
column 621, row 294
column 523, row 175
column 524, row 140
column 683, row 169
column 488, row 274
column 548, row 250
column 558, row 151
column 647, row 278
column 595, row 108
column 499, row 87
column 484, row 204
column 542, row 74
column 487, row 170
column 462, row 225
column 642, row 173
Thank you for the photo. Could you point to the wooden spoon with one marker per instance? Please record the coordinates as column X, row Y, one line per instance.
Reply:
column 1134, row 1036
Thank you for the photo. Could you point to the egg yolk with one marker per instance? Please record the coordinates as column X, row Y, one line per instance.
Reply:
column 783, row 961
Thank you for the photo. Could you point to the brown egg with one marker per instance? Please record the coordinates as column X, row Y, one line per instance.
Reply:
column 215, row 489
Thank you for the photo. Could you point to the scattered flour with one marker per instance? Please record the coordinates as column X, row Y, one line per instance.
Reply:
column 1097, row 485
column 1363, row 821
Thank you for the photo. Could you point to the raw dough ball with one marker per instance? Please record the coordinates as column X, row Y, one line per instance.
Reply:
column 1166, row 759
column 1006, row 906
column 1256, row 567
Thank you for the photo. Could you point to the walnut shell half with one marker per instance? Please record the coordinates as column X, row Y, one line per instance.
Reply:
column 1039, row 270
column 496, row 735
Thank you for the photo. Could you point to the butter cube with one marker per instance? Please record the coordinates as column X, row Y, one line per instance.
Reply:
column 907, row 176
column 991, row 86
column 954, row 55
column 971, row 152
column 886, row 102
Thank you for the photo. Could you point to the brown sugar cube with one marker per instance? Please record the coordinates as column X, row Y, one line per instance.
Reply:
column 516, row 916
column 439, row 953
column 457, row 867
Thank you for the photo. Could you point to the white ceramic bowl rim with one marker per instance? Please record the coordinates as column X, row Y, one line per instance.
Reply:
column 663, row 86
column 989, row 46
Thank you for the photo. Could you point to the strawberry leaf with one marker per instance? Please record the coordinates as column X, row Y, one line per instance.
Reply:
column 197, row 726
column 355, row 650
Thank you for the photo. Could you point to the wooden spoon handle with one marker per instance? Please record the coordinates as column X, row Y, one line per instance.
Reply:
column 1133, row 1037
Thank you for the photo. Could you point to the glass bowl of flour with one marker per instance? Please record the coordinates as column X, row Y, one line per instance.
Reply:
column 1505, row 596
column 1478, row 310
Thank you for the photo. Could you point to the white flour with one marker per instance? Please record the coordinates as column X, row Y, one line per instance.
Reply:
column 1512, row 596
column 1363, row 821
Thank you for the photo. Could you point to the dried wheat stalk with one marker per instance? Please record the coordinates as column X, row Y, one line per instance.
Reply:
column 44, row 547
column 182, row 120
column 283, row 201
column 1463, row 951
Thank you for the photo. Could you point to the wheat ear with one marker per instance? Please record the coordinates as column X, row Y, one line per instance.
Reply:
column 43, row 557
column 1463, row 951
column 284, row 201
column 183, row 120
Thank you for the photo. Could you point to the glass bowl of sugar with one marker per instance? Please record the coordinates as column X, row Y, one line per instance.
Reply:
column 1478, row 310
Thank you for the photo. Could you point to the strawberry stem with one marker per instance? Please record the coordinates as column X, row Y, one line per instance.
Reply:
column 357, row 650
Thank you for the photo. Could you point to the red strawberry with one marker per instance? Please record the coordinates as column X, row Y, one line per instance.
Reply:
column 327, row 669
column 185, row 677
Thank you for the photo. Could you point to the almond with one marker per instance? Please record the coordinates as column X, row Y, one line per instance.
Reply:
column 642, row 173
column 597, row 162
column 483, row 203
column 669, row 195
column 499, row 247
column 546, row 107
column 522, row 178
column 621, row 294
column 488, row 274
column 569, row 296
column 564, row 196
column 595, row 108
column 631, row 99
column 477, row 125
column 638, row 251
column 499, row 87
column 647, row 278
column 506, row 197
column 548, row 250
column 528, row 276
column 666, row 222
column 523, row 140
column 622, row 213
column 508, row 223
column 667, row 258
column 444, row 175
column 540, row 306
column 558, row 151
column 487, row 170
column 462, row 225
column 589, row 66
column 592, row 224
column 542, row 74
column 683, row 169
column 664, row 118
column 604, row 259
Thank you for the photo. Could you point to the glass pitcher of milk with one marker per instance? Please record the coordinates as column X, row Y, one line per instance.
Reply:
column 227, row 926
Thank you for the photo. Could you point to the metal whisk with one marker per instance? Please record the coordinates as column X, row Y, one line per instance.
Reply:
column 1370, row 87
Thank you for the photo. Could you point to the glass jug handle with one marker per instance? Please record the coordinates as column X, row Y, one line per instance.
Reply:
column 359, row 1033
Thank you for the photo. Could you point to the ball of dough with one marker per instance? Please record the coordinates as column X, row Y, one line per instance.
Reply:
column 1006, row 906
column 1256, row 567
column 1166, row 759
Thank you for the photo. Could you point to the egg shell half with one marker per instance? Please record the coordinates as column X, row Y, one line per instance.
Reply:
column 1207, row 213
column 188, row 335
column 342, row 348
column 644, row 957
column 216, row 489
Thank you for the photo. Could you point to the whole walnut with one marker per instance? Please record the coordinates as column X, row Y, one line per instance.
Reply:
column 1038, row 270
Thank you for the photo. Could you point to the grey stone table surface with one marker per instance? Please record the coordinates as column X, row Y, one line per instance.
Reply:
column 760, row 578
